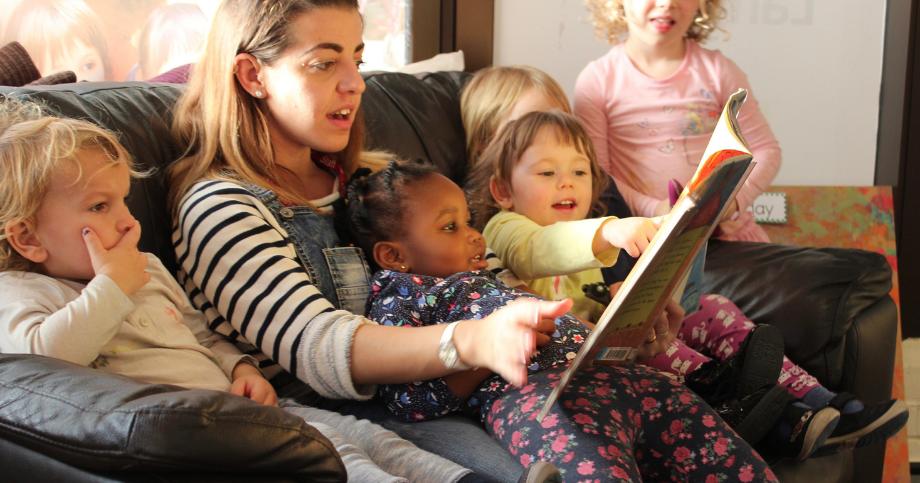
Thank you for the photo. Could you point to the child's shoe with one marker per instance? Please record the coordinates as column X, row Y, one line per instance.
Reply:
column 872, row 424
column 743, row 389
column 800, row 432
column 761, row 356
column 756, row 364
column 598, row 292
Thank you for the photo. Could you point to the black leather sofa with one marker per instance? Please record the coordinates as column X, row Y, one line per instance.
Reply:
column 831, row 304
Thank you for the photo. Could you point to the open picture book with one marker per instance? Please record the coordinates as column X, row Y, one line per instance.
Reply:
column 661, row 271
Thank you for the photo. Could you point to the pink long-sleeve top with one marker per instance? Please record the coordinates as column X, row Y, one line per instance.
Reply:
column 647, row 131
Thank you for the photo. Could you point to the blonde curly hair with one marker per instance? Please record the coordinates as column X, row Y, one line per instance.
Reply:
column 33, row 146
column 609, row 19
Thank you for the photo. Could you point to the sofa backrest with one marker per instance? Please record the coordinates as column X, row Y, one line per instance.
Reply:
column 414, row 117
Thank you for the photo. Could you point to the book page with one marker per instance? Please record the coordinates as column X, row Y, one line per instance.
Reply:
column 629, row 317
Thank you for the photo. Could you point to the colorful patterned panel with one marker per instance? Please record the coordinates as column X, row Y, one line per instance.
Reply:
column 850, row 217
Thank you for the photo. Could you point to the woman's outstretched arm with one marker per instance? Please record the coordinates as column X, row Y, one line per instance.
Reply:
column 240, row 270
column 502, row 342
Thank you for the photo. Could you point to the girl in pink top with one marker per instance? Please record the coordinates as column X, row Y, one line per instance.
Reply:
column 651, row 103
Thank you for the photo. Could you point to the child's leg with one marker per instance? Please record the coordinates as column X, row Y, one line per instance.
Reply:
column 376, row 451
column 719, row 328
column 679, row 359
column 359, row 466
column 623, row 424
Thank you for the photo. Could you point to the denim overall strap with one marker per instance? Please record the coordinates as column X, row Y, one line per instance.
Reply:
column 339, row 272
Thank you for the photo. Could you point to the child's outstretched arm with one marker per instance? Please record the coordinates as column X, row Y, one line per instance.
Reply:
column 631, row 234
column 532, row 251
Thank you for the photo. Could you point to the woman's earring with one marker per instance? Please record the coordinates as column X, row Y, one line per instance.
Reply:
column 403, row 268
column 259, row 93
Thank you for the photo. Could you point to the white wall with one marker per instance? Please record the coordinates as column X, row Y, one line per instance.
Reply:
column 815, row 66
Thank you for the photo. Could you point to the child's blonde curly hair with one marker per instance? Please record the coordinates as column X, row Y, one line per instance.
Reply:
column 609, row 19
column 33, row 146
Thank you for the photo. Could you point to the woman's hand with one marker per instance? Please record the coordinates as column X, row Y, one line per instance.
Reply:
column 663, row 332
column 631, row 234
column 249, row 383
column 506, row 339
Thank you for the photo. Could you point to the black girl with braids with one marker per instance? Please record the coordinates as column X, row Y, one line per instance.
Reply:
column 380, row 213
column 375, row 205
column 415, row 223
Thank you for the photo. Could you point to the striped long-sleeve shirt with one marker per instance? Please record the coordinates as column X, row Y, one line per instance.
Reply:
column 240, row 268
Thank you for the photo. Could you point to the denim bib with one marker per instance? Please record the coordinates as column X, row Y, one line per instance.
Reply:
column 339, row 272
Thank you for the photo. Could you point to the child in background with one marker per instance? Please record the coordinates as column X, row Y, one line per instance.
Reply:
column 613, row 423
column 73, row 285
column 539, row 172
column 498, row 94
column 173, row 35
column 651, row 103
column 61, row 35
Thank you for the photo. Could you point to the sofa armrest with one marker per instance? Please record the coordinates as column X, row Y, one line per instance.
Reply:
column 870, row 350
column 871, row 345
column 102, row 422
column 21, row 464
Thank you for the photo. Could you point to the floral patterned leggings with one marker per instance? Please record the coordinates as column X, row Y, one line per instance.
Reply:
column 627, row 423
column 718, row 328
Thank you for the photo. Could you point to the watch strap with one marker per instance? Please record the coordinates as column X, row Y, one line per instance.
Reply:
column 447, row 350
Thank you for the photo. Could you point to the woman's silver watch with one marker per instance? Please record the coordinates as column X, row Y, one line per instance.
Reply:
column 447, row 351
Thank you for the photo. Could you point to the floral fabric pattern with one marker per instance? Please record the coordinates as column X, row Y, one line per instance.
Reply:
column 628, row 423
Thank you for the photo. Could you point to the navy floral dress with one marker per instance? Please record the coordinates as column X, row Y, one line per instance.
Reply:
column 624, row 423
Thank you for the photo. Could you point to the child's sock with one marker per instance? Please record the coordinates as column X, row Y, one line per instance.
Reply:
column 819, row 397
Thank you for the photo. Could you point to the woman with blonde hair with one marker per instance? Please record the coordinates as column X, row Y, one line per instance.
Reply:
column 272, row 121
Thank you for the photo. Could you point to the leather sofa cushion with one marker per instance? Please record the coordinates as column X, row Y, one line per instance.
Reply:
column 104, row 422
column 812, row 294
column 417, row 117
